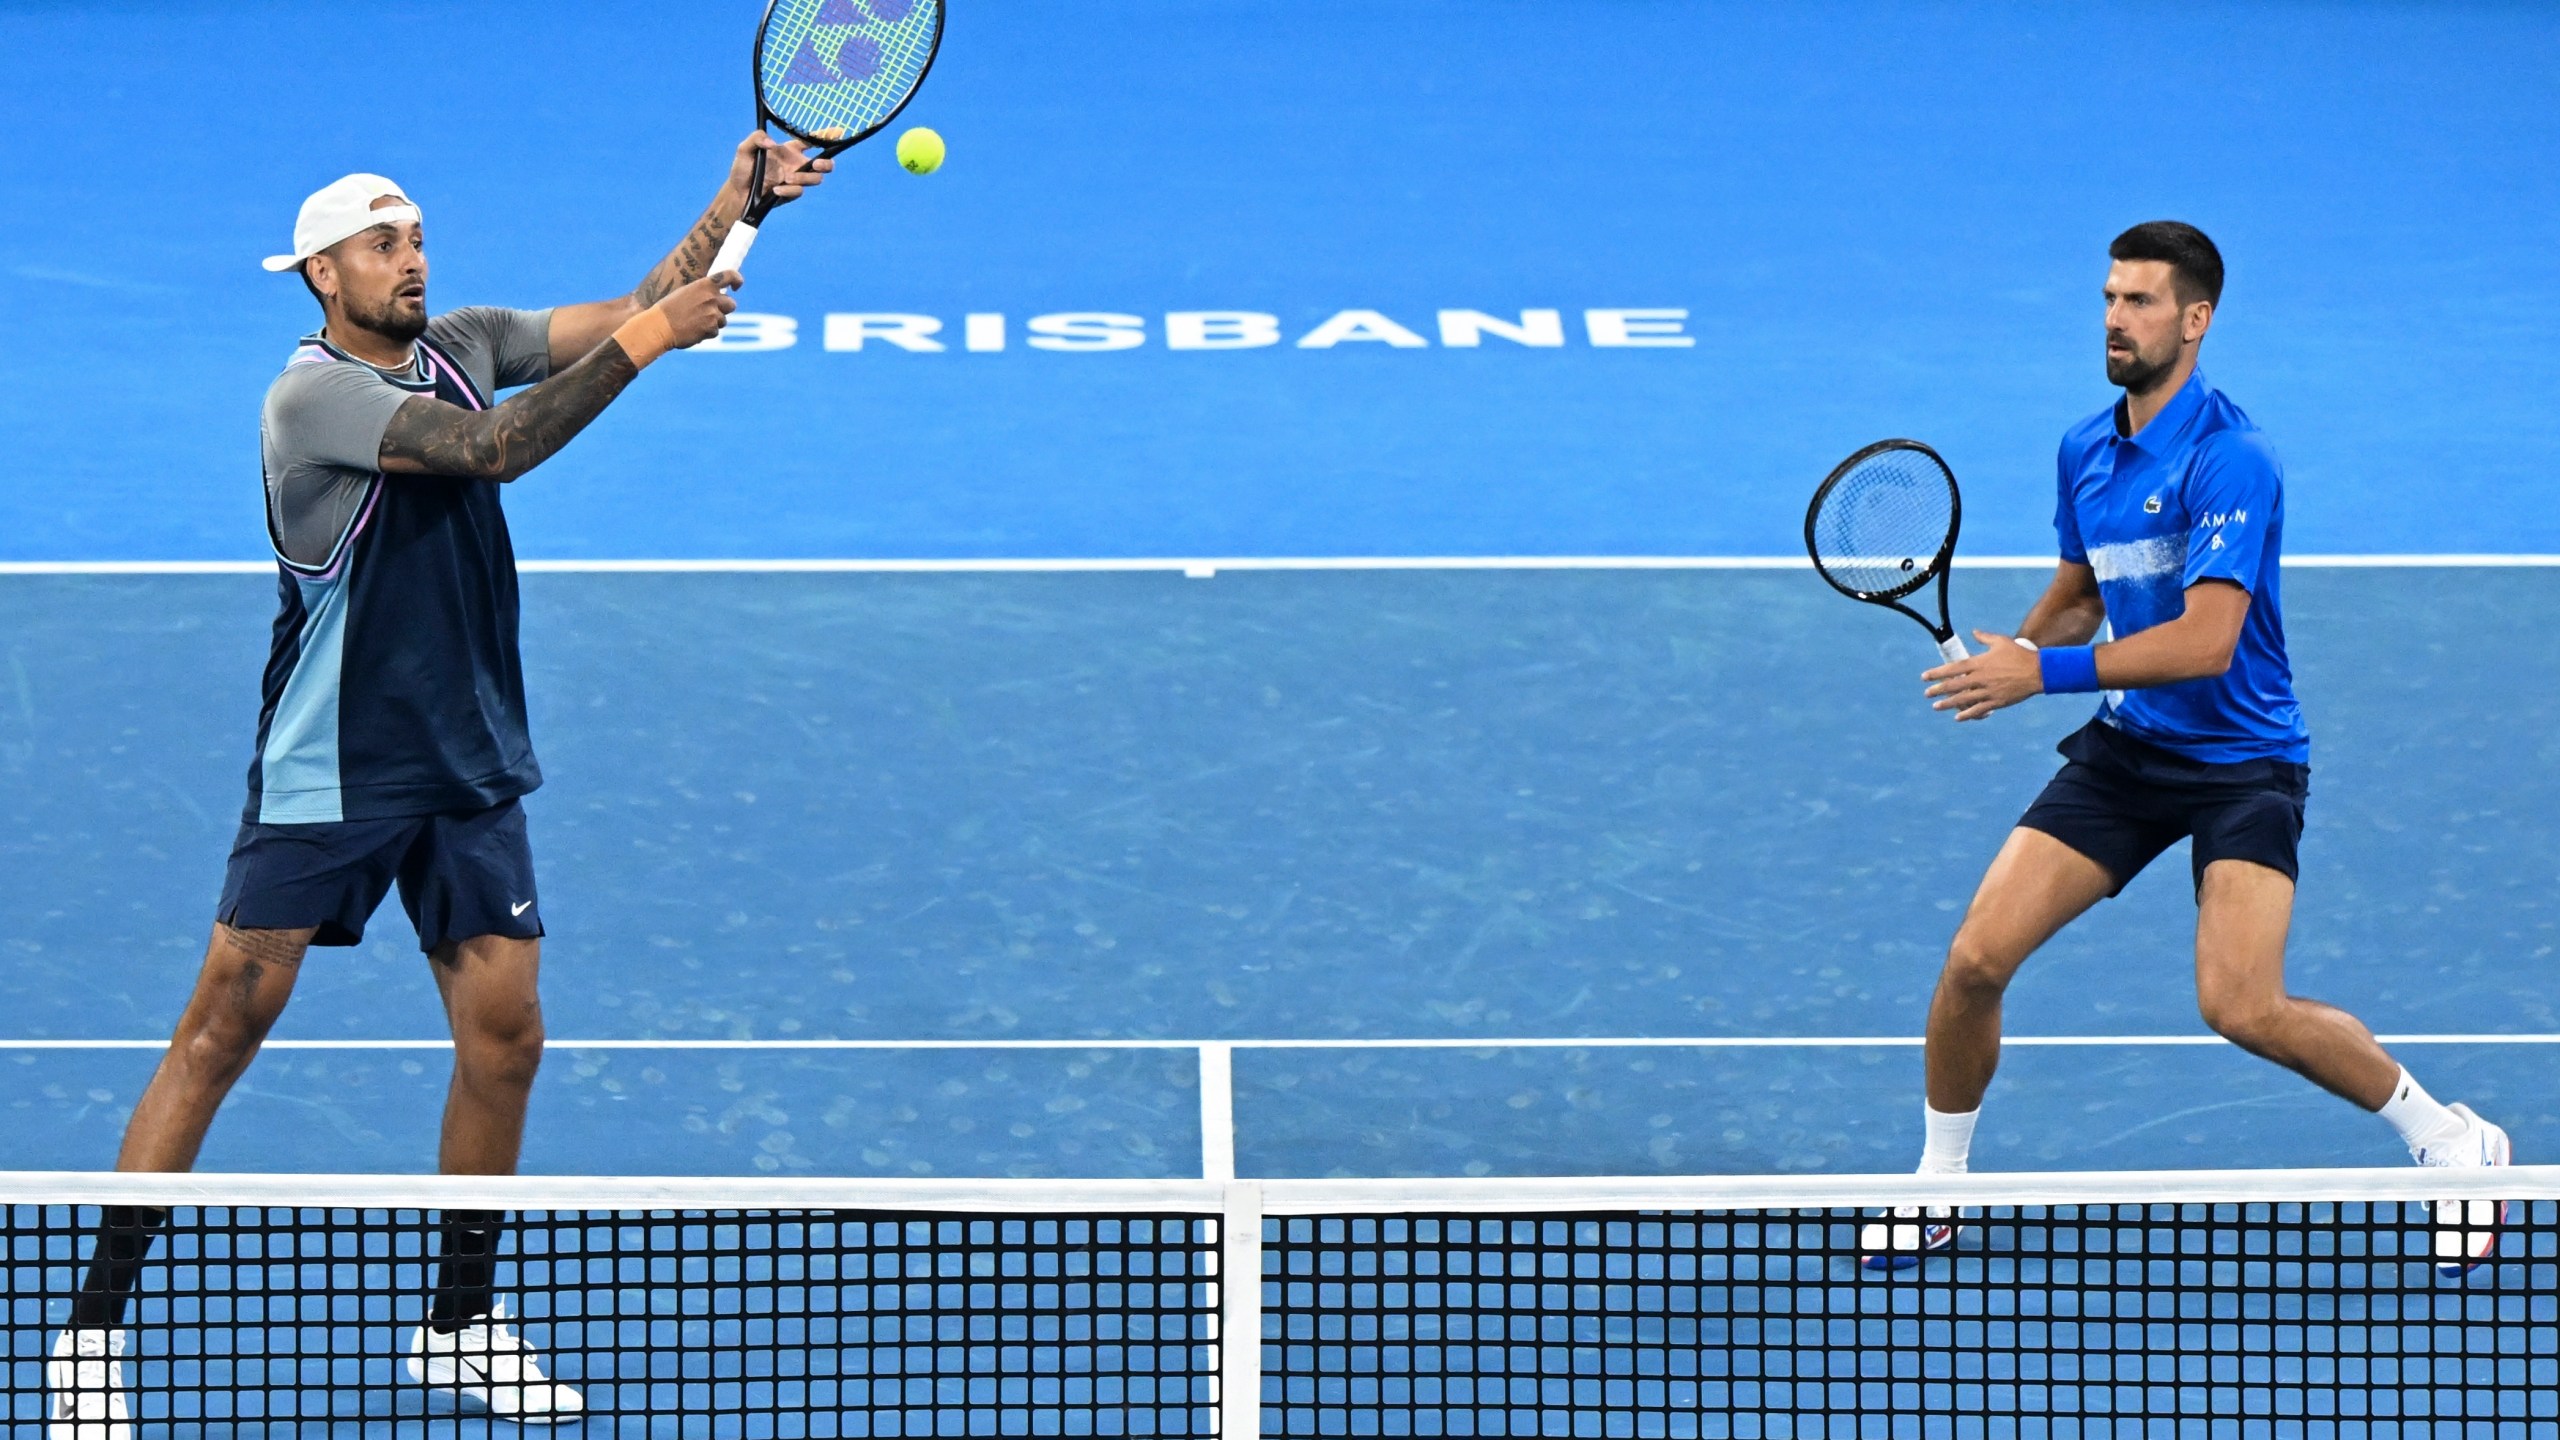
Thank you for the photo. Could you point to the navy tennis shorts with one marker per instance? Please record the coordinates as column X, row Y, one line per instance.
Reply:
column 2121, row 802
column 461, row 876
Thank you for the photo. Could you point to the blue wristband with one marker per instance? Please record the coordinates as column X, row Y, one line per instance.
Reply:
column 2068, row 668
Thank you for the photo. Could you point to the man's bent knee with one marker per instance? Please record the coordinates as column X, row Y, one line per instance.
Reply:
column 1976, row 969
column 2246, row 1021
column 220, row 1049
column 2035, row 886
column 507, row 1054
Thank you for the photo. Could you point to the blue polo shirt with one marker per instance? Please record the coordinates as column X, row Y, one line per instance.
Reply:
column 2198, row 495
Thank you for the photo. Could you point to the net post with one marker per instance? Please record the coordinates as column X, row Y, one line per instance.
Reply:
column 1240, row 1318
column 1218, row 1112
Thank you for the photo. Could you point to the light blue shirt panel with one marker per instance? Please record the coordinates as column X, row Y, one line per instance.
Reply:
column 298, row 771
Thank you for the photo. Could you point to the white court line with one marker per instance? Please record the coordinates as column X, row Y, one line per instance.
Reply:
column 1202, row 567
column 1217, row 1111
column 1513, row 1042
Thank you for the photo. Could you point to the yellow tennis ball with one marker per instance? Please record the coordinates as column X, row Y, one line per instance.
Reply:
column 920, row 150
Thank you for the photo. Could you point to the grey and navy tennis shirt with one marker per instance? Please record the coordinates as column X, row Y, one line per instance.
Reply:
column 2197, row 495
column 393, row 686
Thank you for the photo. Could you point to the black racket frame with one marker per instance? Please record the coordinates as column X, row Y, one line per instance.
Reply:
column 763, row 205
column 1944, row 630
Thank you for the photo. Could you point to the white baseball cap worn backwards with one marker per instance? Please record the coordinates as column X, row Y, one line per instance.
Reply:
column 341, row 208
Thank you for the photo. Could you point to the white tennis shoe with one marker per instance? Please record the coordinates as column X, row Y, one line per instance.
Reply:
column 2467, row 1230
column 85, row 1384
column 487, row 1363
column 1912, row 1234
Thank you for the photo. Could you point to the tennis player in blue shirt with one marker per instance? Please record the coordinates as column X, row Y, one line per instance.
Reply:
column 2170, row 516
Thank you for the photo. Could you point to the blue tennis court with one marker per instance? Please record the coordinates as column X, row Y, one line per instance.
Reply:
column 950, row 860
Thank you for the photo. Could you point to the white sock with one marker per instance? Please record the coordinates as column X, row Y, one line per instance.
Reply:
column 2416, row 1115
column 1950, row 1141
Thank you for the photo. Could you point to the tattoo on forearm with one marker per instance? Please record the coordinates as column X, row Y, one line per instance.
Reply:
column 505, row 442
column 689, row 261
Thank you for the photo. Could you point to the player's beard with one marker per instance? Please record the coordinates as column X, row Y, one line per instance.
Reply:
column 391, row 320
column 2138, row 373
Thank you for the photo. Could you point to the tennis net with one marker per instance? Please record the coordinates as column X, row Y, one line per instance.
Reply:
column 2209, row 1303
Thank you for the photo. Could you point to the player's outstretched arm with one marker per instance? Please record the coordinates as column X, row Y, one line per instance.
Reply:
column 789, row 173
column 426, row 436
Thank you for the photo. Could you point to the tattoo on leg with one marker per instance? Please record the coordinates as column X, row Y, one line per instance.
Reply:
column 244, row 986
column 267, row 947
column 260, row 952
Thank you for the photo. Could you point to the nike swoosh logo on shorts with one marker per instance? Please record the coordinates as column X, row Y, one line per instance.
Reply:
column 520, row 909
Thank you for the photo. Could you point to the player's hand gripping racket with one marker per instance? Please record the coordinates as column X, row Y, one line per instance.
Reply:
column 832, row 73
column 1883, row 525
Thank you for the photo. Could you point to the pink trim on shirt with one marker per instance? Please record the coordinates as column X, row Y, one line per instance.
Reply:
column 437, row 363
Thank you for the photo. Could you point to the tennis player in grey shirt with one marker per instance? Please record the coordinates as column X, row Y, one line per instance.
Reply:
column 392, row 749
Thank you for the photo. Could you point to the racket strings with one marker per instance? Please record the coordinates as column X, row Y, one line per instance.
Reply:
column 838, row 69
column 1881, row 528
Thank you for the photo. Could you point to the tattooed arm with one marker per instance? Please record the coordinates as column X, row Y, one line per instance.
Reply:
column 426, row 436
column 429, row 437
column 788, row 174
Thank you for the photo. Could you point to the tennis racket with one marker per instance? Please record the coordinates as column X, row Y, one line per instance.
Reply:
column 1883, row 525
column 832, row 74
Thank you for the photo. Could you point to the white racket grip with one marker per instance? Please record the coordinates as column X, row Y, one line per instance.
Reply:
column 1952, row 649
column 733, row 251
